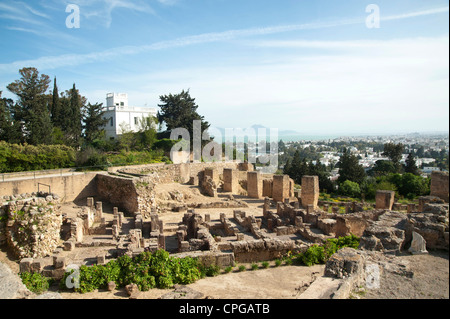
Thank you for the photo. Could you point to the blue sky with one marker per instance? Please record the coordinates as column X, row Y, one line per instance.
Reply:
column 309, row 66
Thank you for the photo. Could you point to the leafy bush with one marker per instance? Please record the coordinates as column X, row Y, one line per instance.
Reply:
column 316, row 254
column 228, row 269
column 19, row 158
column 242, row 268
column 210, row 271
column 147, row 271
column 265, row 264
column 349, row 188
column 254, row 266
column 35, row 282
column 277, row 263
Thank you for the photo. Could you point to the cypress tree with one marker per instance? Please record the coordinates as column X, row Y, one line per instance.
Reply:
column 56, row 106
column 411, row 166
column 93, row 122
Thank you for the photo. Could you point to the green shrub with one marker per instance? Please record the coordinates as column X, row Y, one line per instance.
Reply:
column 19, row 158
column 277, row 262
column 228, row 269
column 254, row 266
column 147, row 271
column 242, row 268
column 316, row 254
column 35, row 282
column 210, row 271
column 313, row 255
column 265, row 264
column 349, row 188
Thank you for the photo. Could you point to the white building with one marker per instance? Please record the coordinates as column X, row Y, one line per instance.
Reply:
column 121, row 116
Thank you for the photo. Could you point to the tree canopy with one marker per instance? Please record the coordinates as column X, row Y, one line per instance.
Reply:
column 179, row 111
column 349, row 168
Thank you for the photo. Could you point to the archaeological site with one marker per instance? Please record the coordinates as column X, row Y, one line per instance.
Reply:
column 223, row 214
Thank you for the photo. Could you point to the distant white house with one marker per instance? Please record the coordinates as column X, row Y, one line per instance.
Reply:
column 121, row 116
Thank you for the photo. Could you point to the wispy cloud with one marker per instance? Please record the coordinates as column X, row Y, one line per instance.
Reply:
column 53, row 62
column 102, row 10
column 416, row 14
column 20, row 11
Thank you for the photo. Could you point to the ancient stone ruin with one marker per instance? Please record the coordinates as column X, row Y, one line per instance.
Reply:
column 222, row 213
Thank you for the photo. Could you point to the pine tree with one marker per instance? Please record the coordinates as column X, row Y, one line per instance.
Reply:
column 349, row 168
column 179, row 111
column 32, row 113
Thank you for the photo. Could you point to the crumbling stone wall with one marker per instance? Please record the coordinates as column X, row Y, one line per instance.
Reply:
column 439, row 185
column 33, row 226
column 120, row 192
column 261, row 249
column 431, row 224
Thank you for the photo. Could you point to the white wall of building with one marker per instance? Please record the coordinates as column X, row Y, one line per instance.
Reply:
column 122, row 116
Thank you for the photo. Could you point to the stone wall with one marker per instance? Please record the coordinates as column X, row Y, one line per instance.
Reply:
column 33, row 226
column 120, row 192
column 439, row 185
column 169, row 173
column 431, row 224
column 69, row 188
column 261, row 250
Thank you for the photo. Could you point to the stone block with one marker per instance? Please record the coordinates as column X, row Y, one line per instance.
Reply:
column 254, row 185
column 230, row 180
column 213, row 173
column 282, row 230
column 418, row 245
column 69, row 245
column 310, row 191
column 58, row 274
column 384, row 199
column 59, row 262
column 25, row 265
column 184, row 246
column 101, row 259
column 37, row 265
column 90, row 202
column 280, row 188
column 111, row 286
